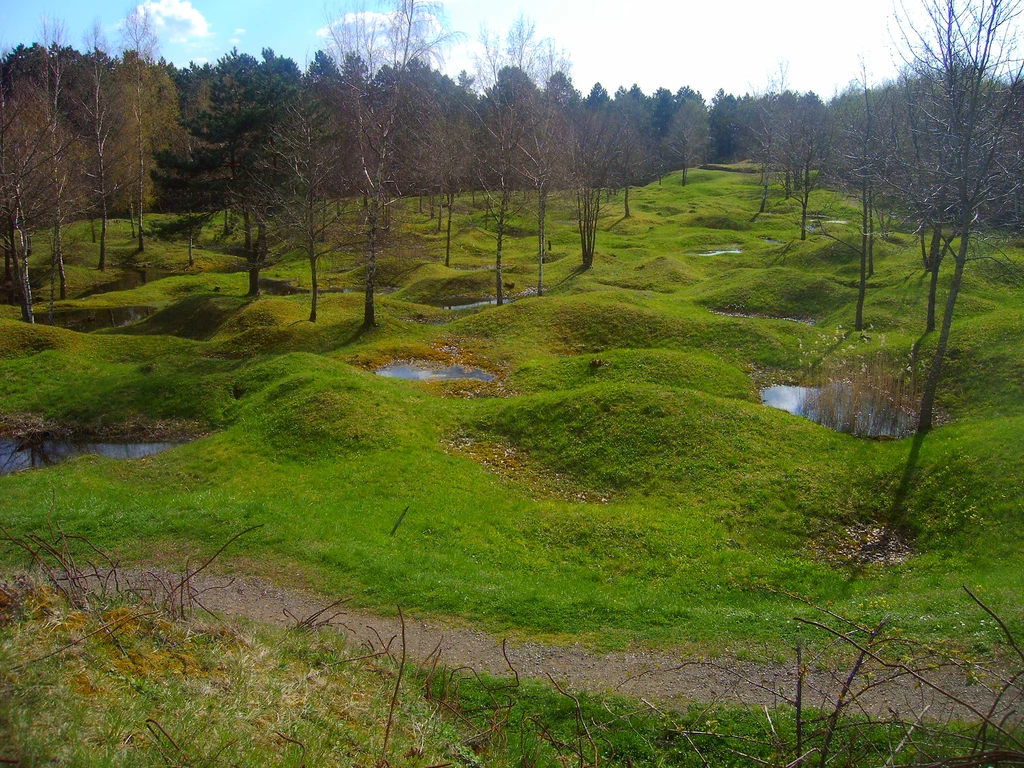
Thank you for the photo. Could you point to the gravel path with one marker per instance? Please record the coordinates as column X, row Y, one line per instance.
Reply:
column 659, row 677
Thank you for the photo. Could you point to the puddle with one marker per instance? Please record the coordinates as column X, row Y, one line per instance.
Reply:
column 467, row 303
column 422, row 371
column 773, row 241
column 786, row 398
column 280, row 287
column 801, row 320
column 836, row 405
column 86, row 320
column 720, row 253
column 129, row 278
column 16, row 455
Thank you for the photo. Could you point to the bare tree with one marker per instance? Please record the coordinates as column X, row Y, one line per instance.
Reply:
column 306, row 155
column 138, row 43
column 805, row 144
column 380, row 49
column 103, row 124
column 61, row 138
column 591, row 160
column 688, row 132
column 25, row 145
column 962, row 60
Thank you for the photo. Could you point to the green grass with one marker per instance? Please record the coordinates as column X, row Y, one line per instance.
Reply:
column 618, row 384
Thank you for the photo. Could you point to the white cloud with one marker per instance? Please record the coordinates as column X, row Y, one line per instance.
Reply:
column 178, row 20
column 239, row 31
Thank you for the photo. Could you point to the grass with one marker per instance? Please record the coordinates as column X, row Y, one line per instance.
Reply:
column 646, row 495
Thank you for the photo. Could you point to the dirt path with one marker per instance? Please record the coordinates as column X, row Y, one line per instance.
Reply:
column 657, row 676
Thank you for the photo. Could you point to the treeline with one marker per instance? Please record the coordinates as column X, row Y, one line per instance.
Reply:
column 313, row 159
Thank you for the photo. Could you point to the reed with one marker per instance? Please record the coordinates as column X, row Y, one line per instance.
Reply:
column 865, row 397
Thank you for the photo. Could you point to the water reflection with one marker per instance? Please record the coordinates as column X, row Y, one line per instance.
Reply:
column 423, row 371
column 17, row 455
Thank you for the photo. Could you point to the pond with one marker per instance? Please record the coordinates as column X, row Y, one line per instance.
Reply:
column 786, row 398
column 721, row 253
column 459, row 303
column 128, row 278
column 838, row 405
column 426, row 371
column 17, row 455
column 86, row 320
column 272, row 287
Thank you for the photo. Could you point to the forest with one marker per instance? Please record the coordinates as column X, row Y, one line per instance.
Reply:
column 358, row 414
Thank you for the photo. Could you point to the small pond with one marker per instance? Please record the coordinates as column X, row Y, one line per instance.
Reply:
column 86, row 320
column 273, row 287
column 863, row 412
column 127, row 279
column 786, row 398
column 16, row 455
column 459, row 303
column 721, row 253
column 424, row 371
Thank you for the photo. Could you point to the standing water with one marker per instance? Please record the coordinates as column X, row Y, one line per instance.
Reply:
column 16, row 455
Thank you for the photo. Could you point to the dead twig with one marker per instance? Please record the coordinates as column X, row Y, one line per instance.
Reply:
column 302, row 757
column 394, row 696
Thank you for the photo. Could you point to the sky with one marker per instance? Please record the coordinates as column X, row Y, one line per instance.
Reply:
column 740, row 46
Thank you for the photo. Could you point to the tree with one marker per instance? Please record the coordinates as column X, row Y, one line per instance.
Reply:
column 246, row 102
column 962, row 60
column 305, row 155
column 687, row 137
column 138, row 42
column 507, row 111
column 858, row 166
column 591, row 160
column 104, row 124
column 805, row 145
column 545, row 150
column 375, row 52
column 25, row 162
column 723, row 129
column 633, row 147
column 56, row 63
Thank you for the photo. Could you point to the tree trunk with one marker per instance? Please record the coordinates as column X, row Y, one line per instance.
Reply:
column 935, row 372
column 142, row 181
column 311, row 253
column 131, row 217
column 58, row 252
column 858, row 324
column 103, row 238
column 254, row 281
column 805, row 199
column 500, row 222
column 627, row 202
column 247, row 226
column 440, row 211
column 932, row 264
column 448, row 232
column 24, row 284
column 871, row 232
column 11, row 253
column 542, row 210
column 369, row 310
